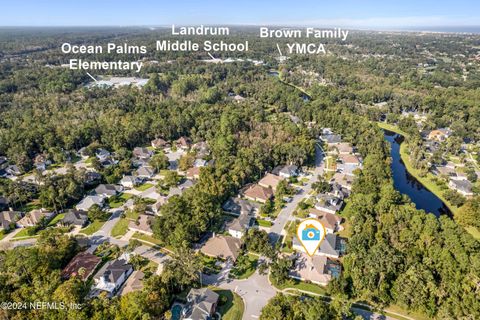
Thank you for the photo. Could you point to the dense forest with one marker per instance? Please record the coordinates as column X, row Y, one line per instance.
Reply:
column 396, row 254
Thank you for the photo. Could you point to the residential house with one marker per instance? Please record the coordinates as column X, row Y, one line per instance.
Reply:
column 201, row 304
column 445, row 171
column 142, row 225
column 89, row 201
column 343, row 180
column 331, row 139
column 142, row 153
column 102, row 154
column 439, row 134
column 8, row 219
column 286, row 171
column 151, row 193
column 201, row 148
column 159, row 143
column 270, row 181
column 183, row 143
column 112, row 275
column 349, row 159
column 130, row 181
column 199, row 163
column 145, row 172
column 330, row 221
column 464, row 187
column 13, row 170
column 193, row 173
column 314, row 269
column 108, row 190
column 155, row 208
column 41, row 162
column 238, row 206
column 344, row 148
column 238, row 98
column 82, row 265
column 34, row 217
column 75, row 218
column 224, row 247
column 258, row 193
column 240, row 225
column 92, row 177
column 328, row 203
column 83, row 153
column 330, row 246
column 133, row 283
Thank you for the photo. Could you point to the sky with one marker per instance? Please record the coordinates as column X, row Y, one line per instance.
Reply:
column 333, row 13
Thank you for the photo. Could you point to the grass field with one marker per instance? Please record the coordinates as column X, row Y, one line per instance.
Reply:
column 144, row 187
column 233, row 308
column 92, row 227
column 120, row 228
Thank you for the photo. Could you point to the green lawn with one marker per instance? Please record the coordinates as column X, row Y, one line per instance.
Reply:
column 92, row 227
column 116, row 202
column 264, row 223
column 23, row 234
column 144, row 187
column 391, row 127
column 232, row 308
column 55, row 220
column 120, row 228
column 300, row 285
column 2, row 234
column 246, row 269
column 474, row 232
column 132, row 214
column 144, row 237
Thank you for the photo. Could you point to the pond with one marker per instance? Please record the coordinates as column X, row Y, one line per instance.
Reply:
column 405, row 183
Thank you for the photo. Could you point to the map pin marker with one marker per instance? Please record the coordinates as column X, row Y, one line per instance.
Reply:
column 310, row 233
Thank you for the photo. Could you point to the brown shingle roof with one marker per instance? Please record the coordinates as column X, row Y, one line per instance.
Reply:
column 270, row 181
column 258, row 192
column 83, row 260
column 223, row 247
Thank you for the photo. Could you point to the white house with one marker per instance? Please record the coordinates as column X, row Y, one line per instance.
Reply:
column 112, row 275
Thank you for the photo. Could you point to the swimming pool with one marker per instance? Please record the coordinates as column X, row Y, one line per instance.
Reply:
column 176, row 312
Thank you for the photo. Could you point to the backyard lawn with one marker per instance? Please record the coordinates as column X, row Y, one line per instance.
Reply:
column 232, row 308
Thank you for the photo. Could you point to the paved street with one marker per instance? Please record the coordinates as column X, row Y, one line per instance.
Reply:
column 255, row 291
column 286, row 213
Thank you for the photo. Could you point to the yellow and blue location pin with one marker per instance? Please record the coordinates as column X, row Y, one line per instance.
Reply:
column 310, row 233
